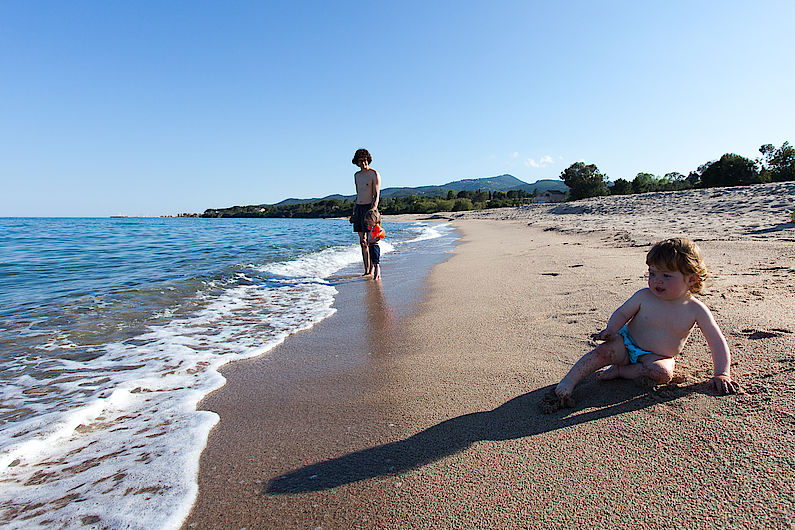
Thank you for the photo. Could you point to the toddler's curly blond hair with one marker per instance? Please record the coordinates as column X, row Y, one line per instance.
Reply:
column 680, row 254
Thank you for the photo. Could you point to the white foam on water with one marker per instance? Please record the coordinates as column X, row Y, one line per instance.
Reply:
column 115, row 441
column 429, row 231
column 318, row 265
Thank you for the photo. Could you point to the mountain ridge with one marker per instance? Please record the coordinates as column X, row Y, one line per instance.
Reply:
column 503, row 182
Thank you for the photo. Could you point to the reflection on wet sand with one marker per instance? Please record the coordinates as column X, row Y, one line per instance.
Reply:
column 381, row 320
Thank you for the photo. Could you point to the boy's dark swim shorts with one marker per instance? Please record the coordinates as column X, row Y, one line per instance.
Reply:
column 375, row 253
column 359, row 211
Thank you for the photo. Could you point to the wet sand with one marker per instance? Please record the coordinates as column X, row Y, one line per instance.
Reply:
column 428, row 417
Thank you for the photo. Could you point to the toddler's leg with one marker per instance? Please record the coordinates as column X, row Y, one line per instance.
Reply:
column 656, row 367
column 607, row 353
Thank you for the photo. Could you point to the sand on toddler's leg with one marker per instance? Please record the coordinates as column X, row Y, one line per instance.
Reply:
column 610, row 373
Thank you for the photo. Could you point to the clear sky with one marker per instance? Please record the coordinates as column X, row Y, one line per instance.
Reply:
column 161, row 107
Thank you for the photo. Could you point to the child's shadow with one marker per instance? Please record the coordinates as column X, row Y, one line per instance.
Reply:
column 517, row 418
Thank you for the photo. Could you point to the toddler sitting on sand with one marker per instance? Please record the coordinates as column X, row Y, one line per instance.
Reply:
column 644, row 335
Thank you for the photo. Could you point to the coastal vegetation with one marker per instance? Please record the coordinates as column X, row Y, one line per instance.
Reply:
column 581, row 181
column 452, row 202
column 775, row 165
column 468, row 194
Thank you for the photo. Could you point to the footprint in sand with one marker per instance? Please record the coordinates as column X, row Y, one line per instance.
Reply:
column 756, row 334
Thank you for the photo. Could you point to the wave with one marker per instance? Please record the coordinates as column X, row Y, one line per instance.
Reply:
column 109, row 434
column 103, row 438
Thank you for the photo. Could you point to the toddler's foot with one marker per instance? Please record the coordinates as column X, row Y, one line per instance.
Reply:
column 553, row 401
column 610, row 373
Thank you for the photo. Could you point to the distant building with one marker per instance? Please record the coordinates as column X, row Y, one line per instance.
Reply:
column 551, row 196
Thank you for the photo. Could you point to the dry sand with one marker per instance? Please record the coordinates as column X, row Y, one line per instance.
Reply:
column 434, row 422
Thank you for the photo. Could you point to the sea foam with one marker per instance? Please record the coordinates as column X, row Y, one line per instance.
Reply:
column 108, row 434
column 135, row 434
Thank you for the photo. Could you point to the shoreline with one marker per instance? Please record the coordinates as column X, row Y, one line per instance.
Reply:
column 440, row 428
column 335, row 364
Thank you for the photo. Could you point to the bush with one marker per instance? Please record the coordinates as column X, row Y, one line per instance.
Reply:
column 621, row 187
column 584, row 181
column 462, row 205
column 730, row 170
column 779, row 164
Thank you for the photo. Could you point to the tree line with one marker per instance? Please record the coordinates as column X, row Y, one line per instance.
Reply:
column 774, row 165
column 452, row 202
column 583, row 180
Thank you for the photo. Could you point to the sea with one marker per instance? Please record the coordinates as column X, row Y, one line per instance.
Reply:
column 113, row 329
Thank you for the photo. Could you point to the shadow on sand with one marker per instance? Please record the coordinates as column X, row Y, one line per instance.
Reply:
column 518, row 418
column 777, row 228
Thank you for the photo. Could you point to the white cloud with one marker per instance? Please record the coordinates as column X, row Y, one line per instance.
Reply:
column 545, row 160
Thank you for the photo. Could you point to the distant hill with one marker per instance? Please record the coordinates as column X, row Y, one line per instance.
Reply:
column 498, row 183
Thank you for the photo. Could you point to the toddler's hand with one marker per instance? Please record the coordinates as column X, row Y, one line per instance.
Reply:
column 724, row 384
column 603, row 335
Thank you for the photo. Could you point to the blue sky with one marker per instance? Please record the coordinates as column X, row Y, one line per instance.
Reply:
column 155, row 108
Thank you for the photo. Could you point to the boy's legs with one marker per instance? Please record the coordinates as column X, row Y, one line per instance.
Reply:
column 365, row 252
column 607, row 353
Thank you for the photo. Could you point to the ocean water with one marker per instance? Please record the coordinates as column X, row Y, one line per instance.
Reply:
column 112, row 330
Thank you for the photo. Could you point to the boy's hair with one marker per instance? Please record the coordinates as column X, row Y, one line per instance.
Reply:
column 374, row 216
column 362, row 154
column 679, row 254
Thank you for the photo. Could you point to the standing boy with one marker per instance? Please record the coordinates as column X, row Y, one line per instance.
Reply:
column 368, row 190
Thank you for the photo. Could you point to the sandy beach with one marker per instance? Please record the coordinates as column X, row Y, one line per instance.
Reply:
column 424, row 412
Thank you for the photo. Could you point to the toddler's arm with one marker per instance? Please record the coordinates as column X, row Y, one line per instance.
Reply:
column 721, row 357
column 620, row 316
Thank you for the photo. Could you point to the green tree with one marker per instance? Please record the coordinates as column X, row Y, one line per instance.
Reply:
column 730, row 170
column 621, row 187
column 644, row 183
column 778, row 164
column 462, row 204
column 674, row 181
column 450, row 194
column 481, row 196
column 584, row 181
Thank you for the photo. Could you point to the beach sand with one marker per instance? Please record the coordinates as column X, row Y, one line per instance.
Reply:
column 429, row 417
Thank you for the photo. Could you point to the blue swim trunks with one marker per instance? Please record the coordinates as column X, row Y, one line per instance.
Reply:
column 375, row 253
column 633, row 349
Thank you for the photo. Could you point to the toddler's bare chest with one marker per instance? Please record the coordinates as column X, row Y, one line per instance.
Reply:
column 665, row 319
